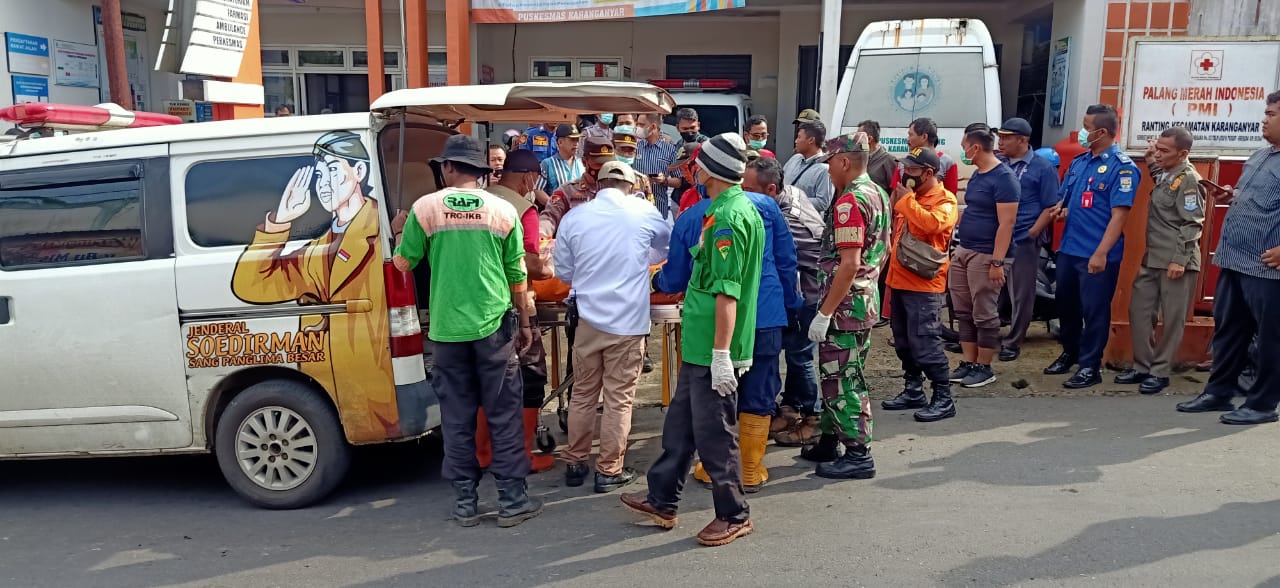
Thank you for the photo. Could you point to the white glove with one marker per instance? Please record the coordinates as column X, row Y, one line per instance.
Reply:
column 818, row 328
column 723, row 380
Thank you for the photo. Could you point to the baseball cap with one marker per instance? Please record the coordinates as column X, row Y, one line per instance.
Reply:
column 567, row 131
column 847, row 143
column 598, row 148
column 1016, row 126
column 522, row 161
column 687, row 152
column 923, row 157
column 616, row 170
column 807, row 115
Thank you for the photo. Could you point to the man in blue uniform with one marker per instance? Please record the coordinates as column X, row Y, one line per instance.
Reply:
column 541, row 140
column 1096, row 197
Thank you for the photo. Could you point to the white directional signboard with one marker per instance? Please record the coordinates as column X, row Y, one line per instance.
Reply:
column 217, row 40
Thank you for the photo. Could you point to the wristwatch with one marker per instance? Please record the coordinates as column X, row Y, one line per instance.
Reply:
column 997, row 263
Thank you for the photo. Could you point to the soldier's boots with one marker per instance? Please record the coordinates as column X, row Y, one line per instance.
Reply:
column 912, row 396
column 826, row 449
column 855, row 464
column 940, row 407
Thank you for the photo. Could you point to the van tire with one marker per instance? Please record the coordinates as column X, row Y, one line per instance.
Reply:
column 278, row 413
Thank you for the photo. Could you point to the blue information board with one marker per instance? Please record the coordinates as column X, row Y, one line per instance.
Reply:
column 27, row 54
column 30, row 89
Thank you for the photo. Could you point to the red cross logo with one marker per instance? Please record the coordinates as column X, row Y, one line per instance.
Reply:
column 1207, row 63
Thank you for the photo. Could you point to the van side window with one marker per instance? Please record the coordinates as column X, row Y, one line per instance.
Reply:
column 71, row 216
column 227, row 200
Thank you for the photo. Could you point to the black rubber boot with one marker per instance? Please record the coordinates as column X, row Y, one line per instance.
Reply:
column 855, row 464
column 826, row 449
column 466, row 506
column 912, row 396
column 940, row 407
column 515, row 504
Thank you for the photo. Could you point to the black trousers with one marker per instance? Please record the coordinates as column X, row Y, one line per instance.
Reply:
column 700, row 419
column 481, row 373
column 1084, row 308
column 916, row 321
column 1245, row 307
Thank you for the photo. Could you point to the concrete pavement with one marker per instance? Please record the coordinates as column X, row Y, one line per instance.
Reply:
column 1015, row 491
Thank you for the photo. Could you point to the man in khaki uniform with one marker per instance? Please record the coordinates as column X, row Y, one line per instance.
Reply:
column 1166, row 282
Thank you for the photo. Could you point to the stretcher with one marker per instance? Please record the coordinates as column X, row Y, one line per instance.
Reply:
column 558, row 320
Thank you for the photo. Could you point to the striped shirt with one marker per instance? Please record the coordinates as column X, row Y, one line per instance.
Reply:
column 654, row 158
column 1253, row 209
column 557, row 172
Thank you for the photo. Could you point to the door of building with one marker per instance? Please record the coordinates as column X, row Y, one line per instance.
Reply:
column 810, row 68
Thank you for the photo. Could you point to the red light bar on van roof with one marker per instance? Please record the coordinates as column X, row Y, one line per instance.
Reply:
column 708, row 84
column 72, row 117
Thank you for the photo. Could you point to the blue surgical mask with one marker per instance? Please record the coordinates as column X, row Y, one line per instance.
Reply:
column 756, row 144
column 625, row 159
column 1083, row 137
column 607, row 118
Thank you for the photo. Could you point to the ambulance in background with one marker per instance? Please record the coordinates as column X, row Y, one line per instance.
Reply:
column 901, row 70
column 720, row 109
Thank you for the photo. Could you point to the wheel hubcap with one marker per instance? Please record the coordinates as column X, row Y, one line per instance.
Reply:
column 276, row 448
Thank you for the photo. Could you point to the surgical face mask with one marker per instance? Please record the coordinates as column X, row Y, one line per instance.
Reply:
column 756, row 144
column 607, row 118
column 1083, row 137
column 624, row 159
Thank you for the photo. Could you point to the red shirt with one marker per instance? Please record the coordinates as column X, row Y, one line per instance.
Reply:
column 689, row 198
column 529, row 222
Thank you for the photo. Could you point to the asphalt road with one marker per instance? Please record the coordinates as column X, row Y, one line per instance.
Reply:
column 1118, row 491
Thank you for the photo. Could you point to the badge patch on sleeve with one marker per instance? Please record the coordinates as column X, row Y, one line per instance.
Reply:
column 1191, row 201
column 1126, row 183
column 843, row 210
column 722, row 245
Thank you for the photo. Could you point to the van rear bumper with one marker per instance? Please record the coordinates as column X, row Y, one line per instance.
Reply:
column 419, row 408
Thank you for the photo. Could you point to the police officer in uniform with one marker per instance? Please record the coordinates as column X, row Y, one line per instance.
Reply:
column 1096, row 197
column 1166, row 282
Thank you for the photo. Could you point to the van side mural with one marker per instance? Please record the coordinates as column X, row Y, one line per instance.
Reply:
column 341, row 265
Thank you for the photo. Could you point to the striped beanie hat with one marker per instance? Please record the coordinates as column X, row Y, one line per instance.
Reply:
column 723, row 157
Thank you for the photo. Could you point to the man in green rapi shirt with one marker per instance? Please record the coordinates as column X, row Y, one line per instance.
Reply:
column 472, row 241
column 719, row 337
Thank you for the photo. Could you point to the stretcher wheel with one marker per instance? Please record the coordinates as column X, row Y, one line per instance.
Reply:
column 562, row 415
column 544, row 440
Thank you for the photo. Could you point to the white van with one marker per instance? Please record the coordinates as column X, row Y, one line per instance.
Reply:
column 720, row 109
column 901, row 70
column 227, row 286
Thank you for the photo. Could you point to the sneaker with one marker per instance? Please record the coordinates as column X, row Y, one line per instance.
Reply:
column 978, row 376
column 960, row 373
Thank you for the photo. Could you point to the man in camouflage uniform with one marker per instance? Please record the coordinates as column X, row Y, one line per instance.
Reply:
column 855, row 245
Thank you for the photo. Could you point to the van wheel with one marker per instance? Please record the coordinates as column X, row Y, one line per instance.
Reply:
column 280, row 445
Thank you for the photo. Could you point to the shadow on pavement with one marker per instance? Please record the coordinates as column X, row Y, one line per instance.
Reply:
column 1126, row 543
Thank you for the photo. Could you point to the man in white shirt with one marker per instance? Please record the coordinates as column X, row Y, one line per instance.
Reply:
column 603, row 251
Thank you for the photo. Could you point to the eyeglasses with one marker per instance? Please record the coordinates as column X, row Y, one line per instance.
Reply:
column 761, row 136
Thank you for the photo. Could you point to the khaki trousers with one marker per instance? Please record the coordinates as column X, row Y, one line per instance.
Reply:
column 1156, row 296
column 608, row 365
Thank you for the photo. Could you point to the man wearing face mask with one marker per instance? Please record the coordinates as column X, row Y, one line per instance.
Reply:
column 719, row 322
column 927, row 214
column 595, row 126
column 655, row 154
column 690, row 129
column 757, row 135
column 1097, row 194
column 598, row 153
column 626, row 149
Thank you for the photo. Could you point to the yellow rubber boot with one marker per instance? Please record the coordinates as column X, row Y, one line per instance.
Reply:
column 700, row 474
column 753, row 435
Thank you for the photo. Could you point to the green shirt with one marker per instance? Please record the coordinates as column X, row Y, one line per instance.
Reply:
column 472, row 242
column 727, row 261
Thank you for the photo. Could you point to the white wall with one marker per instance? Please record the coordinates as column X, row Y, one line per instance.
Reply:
column 1082, row 21
column 310, row 27
column 643, row 44
column 72, row 20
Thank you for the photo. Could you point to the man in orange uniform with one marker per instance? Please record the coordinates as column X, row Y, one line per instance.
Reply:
column 926, row 213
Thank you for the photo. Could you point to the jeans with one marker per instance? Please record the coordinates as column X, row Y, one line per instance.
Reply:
column 800, row 390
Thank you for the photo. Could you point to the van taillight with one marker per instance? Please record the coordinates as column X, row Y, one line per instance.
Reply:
column 402, row 304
